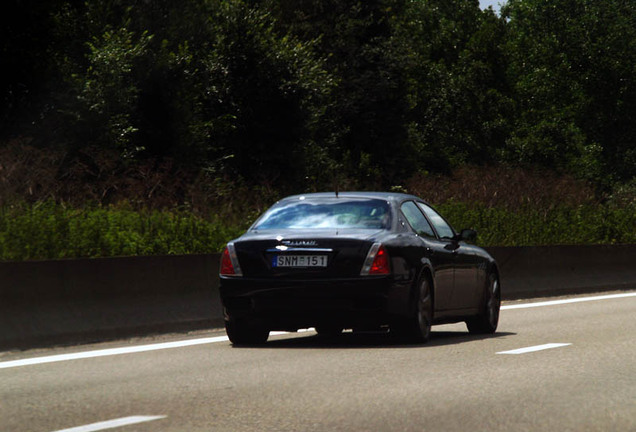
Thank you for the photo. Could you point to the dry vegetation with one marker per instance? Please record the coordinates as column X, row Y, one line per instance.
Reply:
column 95, row 177
column 98, row 177
column 505, row 187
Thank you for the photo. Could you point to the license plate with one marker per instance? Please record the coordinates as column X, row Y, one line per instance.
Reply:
column 299, row 261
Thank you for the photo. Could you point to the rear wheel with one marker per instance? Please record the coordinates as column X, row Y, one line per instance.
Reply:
column 486, row 322
column 246, row 332
column 418, row 326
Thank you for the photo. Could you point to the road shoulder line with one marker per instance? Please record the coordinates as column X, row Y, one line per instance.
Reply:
column 567, row 301
column 211, row 340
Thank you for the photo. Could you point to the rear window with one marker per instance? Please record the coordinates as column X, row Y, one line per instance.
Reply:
column 340, row 213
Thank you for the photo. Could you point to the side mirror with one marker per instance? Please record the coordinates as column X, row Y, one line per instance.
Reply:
column 468, row 235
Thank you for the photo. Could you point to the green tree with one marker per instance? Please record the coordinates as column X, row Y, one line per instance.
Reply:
column 272, row 87
column 363, row 131
column 572, row 62
column 208, row 84
column 460, row 98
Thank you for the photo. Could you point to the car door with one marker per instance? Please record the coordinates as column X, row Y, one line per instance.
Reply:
column 464, row 260
column 441, row 257
column 470, row 289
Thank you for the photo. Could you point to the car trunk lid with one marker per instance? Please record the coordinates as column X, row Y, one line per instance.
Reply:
column 311, row 255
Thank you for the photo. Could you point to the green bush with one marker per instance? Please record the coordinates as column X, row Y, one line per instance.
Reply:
column 527, row 226
column 54, row 231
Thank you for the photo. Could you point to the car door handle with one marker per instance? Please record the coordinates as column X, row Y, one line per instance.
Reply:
column 452, row 248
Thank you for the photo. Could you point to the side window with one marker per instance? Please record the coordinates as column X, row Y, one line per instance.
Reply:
column 417, row 220
column 441, row 226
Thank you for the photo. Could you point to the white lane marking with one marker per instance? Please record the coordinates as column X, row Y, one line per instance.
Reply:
column 110, row 352
column 120, row 351
column 567, row 301
column 535, row 348
column 110, row 424
column 191, row 342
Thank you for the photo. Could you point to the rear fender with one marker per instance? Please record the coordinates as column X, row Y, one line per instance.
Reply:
column 493, row 268
column 425, row 272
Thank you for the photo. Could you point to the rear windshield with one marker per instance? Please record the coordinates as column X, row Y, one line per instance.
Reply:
column 331, row 213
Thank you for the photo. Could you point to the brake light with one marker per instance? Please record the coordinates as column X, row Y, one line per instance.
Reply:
column 229, row 262
column 227, row 268
column 377, row 261
column 380, row 263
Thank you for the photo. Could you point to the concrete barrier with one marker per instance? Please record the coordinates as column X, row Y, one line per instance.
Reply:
column 74, row 301
column 541, row 271
column 85, row 300
column 106, row 277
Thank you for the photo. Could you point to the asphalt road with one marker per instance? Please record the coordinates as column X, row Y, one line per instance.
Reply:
column 360, row 382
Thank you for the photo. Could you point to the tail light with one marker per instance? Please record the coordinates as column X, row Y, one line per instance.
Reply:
column 229, row 262
column 377, row 261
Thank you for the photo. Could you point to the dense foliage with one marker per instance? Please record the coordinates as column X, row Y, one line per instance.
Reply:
column 187, row 105
column 300, row 94
column 54, row 231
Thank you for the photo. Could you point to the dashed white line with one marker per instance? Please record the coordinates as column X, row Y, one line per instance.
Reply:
column 535, row 348
column 111, row 424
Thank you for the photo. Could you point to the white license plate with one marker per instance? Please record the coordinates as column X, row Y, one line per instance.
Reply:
column 299, row 261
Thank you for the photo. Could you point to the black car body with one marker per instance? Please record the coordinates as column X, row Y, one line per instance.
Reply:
column 355, row 260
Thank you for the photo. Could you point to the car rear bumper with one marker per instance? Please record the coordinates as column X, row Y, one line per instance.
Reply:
column 292, row 304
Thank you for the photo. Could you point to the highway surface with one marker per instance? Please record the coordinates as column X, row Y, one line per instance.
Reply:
column 558, row 366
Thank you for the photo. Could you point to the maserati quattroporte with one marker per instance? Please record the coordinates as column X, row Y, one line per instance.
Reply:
column 355, row 260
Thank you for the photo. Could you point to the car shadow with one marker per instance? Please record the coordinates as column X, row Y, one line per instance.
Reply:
column 361, row 340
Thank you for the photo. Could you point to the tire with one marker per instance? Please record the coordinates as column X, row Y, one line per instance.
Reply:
column 488, row 319
column 328, row 331
column 246, row 332
column 417, row 327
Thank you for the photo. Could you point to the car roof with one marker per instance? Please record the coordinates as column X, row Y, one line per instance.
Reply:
column 389, row 196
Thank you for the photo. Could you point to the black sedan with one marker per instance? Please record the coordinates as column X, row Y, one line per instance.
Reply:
column 355, row 260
